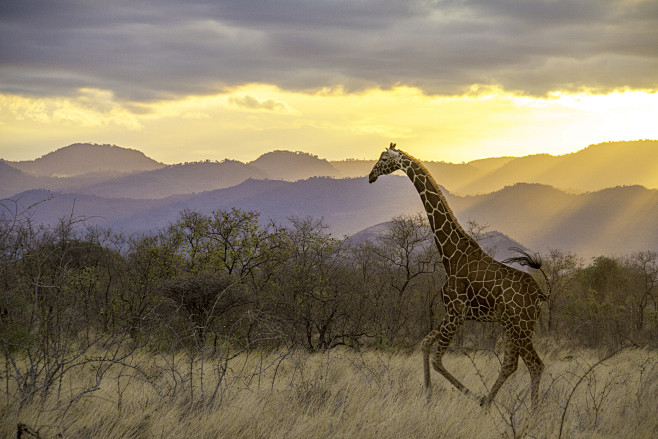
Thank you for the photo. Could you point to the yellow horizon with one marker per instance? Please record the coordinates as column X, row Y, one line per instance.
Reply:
column 244, row 122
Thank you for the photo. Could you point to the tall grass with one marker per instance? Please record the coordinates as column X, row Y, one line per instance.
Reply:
column 342, row 393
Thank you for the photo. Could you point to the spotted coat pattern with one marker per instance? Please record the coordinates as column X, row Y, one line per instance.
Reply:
column 477, row 286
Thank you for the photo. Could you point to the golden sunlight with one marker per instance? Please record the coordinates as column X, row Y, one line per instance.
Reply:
column 250, row 120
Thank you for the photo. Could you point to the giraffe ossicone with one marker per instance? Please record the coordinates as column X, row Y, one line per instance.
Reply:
column 477, row 286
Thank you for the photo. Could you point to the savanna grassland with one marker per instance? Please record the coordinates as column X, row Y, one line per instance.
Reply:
column 343, row 393
column 225, row 325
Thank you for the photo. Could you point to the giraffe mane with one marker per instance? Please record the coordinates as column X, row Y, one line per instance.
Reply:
column 442, row 197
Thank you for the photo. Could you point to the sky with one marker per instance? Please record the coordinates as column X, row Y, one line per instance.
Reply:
column 447, row 80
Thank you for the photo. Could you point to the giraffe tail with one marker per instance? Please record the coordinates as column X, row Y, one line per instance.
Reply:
column 526, row 259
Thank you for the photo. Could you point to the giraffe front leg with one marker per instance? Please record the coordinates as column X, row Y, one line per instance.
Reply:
column 443, row 336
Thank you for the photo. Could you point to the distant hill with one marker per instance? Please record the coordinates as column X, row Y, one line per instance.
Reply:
column 370, row 233
column 85, row 158
column 496, row 244
column 292, row 166
column 111, row 171
column 490, row 164
column 593, row 168
column 107, row 212
column 185, row 178
column 116, row 172
column 537, row 213
column 14, row 180
column 352, row 168
column 609, row 222
column 343, row 203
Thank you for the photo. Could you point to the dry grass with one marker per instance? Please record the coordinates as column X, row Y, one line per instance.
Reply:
column 349, row 394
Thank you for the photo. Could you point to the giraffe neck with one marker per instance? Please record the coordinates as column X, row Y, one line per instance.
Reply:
column 450, row 237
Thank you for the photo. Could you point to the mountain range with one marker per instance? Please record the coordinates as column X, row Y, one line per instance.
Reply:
column 84, row 158
column 133, row 193
column 593, row 168
column 112, row 171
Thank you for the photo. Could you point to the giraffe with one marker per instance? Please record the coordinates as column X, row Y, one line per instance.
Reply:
column 477, row 286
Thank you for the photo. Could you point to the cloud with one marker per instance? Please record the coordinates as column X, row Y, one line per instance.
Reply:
column 251, row 103
column 158, row 50
column 90, row 108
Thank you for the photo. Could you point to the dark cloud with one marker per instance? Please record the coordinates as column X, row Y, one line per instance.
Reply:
column 143, row 50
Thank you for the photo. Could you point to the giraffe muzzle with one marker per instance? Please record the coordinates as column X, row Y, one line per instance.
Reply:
column 372, row 178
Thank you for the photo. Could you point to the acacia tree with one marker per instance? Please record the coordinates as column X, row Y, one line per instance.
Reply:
column 406, row 254
column 203, row 298
column 561, row 269
column 311, row 291
column 229, row 241
column 55, row 297
column 645, row 266
column 239, row 243
column 190, row 237
column 597, row 311
column 222, row 259
column 149, row 260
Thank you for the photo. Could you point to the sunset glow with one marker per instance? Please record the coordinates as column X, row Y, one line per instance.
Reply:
column 333, row 124
column 335, row 79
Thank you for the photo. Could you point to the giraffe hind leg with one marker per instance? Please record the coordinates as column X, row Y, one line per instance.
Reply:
column 426, row 367
column 510, row 364
column 535, row 367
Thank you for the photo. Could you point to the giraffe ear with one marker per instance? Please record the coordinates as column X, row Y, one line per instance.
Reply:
column 392, row 152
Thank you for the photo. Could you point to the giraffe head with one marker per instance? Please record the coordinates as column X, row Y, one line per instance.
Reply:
column 388, row 162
